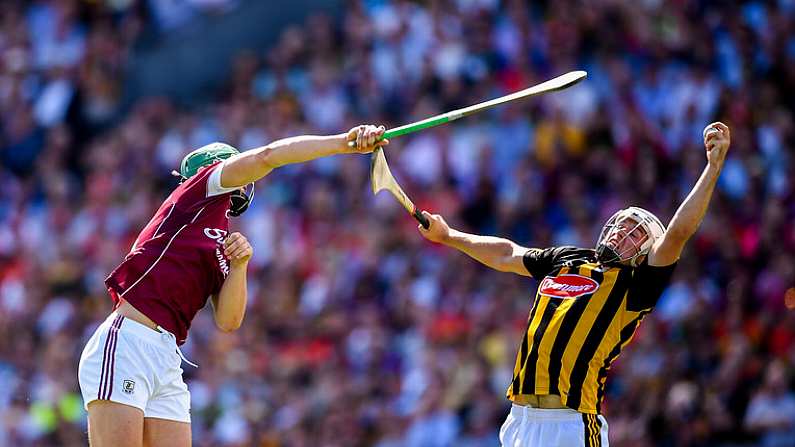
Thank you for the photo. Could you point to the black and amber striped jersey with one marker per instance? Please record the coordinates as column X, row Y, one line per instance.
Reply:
column 583, row 316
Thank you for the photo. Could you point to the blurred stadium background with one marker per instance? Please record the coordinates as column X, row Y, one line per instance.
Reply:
column 358, row 331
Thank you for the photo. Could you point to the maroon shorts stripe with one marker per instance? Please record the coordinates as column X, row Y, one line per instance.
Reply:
column 104, row 361
column 113, row 357
column 110, row 346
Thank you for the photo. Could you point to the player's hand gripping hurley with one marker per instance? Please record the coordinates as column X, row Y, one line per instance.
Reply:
column 559, row 83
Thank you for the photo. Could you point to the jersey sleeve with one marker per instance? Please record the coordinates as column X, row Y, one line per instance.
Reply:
column 214, row 187
column 196, row 191
column 540, row 262
column 648, row 283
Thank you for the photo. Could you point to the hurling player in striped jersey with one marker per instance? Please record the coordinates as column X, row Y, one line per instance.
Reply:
column 588, row 305
column 130, row 371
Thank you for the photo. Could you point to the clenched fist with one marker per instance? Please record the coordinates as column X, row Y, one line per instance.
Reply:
column 364, row 139
column 237, row 249
column 438, row 231
column 717, row 139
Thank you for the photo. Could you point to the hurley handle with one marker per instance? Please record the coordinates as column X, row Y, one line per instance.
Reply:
column 421, row 219
column 411, row 128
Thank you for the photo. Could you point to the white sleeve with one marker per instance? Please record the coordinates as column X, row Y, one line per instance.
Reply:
column 214, row 187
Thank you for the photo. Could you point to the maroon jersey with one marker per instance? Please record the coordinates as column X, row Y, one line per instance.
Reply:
column 177, row 261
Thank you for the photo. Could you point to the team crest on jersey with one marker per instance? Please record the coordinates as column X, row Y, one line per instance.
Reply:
column 128, row 386
column 567, row 286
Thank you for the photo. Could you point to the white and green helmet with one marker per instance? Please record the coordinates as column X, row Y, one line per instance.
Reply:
column 204, row 156
column 207, row 155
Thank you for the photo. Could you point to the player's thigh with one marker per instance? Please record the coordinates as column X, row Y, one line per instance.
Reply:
column 165, row 433
column 111, row 424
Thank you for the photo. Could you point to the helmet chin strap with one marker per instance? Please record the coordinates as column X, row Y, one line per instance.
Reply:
column 607, row 255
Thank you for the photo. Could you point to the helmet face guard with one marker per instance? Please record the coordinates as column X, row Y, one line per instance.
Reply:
column 206, row 155
column 241, row 199
column 611, row 246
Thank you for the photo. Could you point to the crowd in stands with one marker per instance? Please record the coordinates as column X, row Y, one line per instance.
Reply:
column 358, row 331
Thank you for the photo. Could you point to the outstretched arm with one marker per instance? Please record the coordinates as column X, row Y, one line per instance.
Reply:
column 495, row 252
column 691, row 212
column 254, row 164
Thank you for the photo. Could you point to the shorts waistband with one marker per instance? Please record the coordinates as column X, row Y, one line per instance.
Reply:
column 562, row 414
column 160, row 338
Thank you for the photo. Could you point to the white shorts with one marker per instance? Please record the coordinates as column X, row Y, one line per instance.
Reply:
column 129, row 363
column 533, row 427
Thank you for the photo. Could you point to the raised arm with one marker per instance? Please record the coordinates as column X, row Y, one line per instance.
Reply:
column 495, row 252
column 252, row 165
column 691, row 212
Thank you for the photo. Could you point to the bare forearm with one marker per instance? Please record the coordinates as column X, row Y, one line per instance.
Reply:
column 230, row 307
column 489, row 250
column 252, row 165
column 256, row 163
column 495, row 252
column 301, row 148
column 667, row 249
column 691, row 212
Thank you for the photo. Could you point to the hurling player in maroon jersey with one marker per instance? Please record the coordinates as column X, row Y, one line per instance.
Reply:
column 588, row 305
column 130, row 371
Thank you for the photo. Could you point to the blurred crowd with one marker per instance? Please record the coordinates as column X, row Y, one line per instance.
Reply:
column 358, row 331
